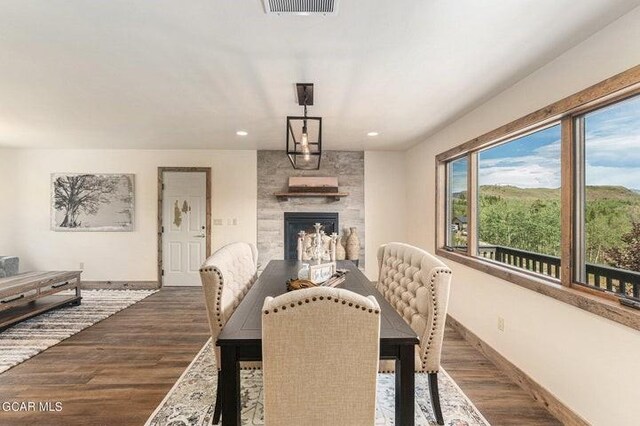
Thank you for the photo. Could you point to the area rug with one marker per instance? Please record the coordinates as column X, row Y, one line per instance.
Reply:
column 190, row 401
column 28, row 338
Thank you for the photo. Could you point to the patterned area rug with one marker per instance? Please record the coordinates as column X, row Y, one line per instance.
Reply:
column 28, row 338
column 190, row 401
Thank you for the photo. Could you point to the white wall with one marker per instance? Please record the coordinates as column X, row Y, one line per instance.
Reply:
column 590, row 363
column 123, row 255
column 384, row 201
column 131, row 256
column 8, row 209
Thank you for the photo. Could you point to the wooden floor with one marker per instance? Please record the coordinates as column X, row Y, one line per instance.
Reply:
column 500, row 400
column 117, row 371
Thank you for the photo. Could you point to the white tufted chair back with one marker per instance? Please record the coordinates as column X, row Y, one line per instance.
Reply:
column 227, row 275
column 320, row 351
column 417, row 285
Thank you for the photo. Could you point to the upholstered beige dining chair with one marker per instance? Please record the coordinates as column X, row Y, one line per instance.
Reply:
column 227, row 275
column 320, row 349
column 417, row 285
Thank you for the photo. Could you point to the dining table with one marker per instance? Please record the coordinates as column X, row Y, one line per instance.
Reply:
column 241, row 337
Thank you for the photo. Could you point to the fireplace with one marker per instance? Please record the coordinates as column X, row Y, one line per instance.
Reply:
column 296, row 222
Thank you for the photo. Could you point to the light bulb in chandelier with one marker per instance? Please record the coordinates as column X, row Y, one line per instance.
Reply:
column 306, row 153
column 304, row 140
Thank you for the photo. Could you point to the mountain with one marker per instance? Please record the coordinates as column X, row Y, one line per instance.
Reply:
column 594, row 192
column 508, row 191
column 612, row 192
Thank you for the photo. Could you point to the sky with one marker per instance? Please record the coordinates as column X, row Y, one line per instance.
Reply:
column 612, row 154
column 458, row 175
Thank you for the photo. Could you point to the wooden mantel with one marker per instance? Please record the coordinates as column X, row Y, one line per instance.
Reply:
column 334, row 196
column 312, row 186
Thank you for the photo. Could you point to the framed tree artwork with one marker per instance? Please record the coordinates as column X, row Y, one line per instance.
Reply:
column 92, row 202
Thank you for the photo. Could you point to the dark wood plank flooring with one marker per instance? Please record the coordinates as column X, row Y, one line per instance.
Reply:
column 117, row 371
column 500, row 400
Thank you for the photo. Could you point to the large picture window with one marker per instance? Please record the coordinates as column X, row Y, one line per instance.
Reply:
column 609, row 197
column 519, row 202
column 553, row 198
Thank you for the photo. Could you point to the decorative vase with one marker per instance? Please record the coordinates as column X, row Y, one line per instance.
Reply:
column 353, row 245
column 332, row 246
column 345, row 236
column 341, row 254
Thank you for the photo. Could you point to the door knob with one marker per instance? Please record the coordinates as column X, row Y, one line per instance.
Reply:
column 200, row 236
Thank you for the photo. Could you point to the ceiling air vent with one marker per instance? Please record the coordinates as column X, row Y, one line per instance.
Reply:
column 301, row 7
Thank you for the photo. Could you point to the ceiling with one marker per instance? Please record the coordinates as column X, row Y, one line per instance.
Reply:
column 189, row 74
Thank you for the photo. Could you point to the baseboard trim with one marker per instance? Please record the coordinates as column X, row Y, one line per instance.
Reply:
column 120, row 285
column 537, row 391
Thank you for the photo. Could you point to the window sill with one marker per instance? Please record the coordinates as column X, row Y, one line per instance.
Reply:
column 598, row 305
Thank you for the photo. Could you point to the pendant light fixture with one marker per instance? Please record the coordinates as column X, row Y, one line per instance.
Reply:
column 304, row 133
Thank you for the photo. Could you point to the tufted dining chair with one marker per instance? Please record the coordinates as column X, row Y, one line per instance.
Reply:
column 227, row 275
column 320, row 349
column 417, row 285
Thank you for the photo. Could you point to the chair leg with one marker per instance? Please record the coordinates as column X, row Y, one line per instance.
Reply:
column 435, row 397
column 218, row 408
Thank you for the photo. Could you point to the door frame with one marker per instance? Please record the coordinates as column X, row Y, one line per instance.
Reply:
column 161, row 170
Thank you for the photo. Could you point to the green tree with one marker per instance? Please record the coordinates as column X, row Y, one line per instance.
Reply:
column 627, row 255
column 606, row 221
column 531, row 225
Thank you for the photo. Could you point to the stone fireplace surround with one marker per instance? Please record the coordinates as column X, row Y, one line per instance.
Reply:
column 273, row 173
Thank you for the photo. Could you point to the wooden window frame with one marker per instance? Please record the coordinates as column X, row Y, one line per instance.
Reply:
column 565, row 111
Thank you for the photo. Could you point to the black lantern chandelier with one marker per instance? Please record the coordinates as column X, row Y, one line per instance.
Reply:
column 304, row 134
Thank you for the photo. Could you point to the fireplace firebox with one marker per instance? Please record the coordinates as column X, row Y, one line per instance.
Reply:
column 296, row 222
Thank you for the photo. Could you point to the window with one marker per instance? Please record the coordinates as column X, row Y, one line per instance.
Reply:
column 553, row 198
column 519, row 202
column 457, row 195
column 609, row 198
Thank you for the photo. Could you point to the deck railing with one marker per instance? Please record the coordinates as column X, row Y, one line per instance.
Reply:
column 619, row 281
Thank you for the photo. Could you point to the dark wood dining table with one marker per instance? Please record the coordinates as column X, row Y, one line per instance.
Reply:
column 241, row 338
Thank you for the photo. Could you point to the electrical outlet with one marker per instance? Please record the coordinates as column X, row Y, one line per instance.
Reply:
column 81, row 266
column 217, row 222
column 500, row 323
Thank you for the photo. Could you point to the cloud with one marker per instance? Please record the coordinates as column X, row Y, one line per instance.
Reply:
column 538, row 169
column 612, row 138
column 612, row 153
column 629, row 177
column 616, row 152
column 529, row 176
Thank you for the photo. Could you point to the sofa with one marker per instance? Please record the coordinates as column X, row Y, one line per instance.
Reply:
column 9, row 266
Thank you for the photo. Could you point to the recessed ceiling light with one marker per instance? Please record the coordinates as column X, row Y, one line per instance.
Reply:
column 372, row 134
column 242, row 133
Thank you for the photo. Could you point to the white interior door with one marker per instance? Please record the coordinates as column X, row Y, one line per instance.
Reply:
column 184, row 237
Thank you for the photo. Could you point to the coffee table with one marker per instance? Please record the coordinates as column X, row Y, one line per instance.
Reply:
column 25, row 295
column 241, row 338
